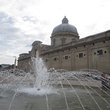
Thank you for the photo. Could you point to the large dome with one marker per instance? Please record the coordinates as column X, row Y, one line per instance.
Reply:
column 65, row 27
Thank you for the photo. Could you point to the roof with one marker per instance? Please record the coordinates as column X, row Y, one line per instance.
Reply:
column 64, row 27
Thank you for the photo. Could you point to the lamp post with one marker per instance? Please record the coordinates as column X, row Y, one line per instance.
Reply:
column 14, row 62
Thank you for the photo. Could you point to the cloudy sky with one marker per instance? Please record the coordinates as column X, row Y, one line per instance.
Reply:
column 24, row 21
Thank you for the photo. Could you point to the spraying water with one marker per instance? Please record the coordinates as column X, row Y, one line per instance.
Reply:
column 41, row 74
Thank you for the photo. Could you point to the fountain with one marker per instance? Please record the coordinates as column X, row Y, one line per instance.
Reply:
column 40, row 72
column 51, row 90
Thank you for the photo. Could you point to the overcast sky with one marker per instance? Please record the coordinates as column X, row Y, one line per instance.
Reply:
column 24, row 21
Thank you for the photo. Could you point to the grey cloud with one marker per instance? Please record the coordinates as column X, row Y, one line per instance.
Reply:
column 9, row 35
column 7, row 28
column 13, row 40
column 4, row 18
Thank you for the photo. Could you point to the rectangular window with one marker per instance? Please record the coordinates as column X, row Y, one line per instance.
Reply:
column 63, row 41
column 100, row 52
column 80, row 55
column 66, row 57
column 54, row 42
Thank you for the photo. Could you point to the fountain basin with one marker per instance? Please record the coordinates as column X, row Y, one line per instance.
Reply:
column 55, row 99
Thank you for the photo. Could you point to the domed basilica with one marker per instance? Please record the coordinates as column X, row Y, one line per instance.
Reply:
column 67, row 51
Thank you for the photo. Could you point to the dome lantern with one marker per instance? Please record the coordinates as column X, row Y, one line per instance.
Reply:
column 64, row 20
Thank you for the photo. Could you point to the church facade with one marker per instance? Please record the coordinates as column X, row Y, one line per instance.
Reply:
column 67, row 51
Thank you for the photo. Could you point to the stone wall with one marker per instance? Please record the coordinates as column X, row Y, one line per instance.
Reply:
column 24, row 62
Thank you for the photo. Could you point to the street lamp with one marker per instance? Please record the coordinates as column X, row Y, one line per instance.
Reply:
column 14, row 62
